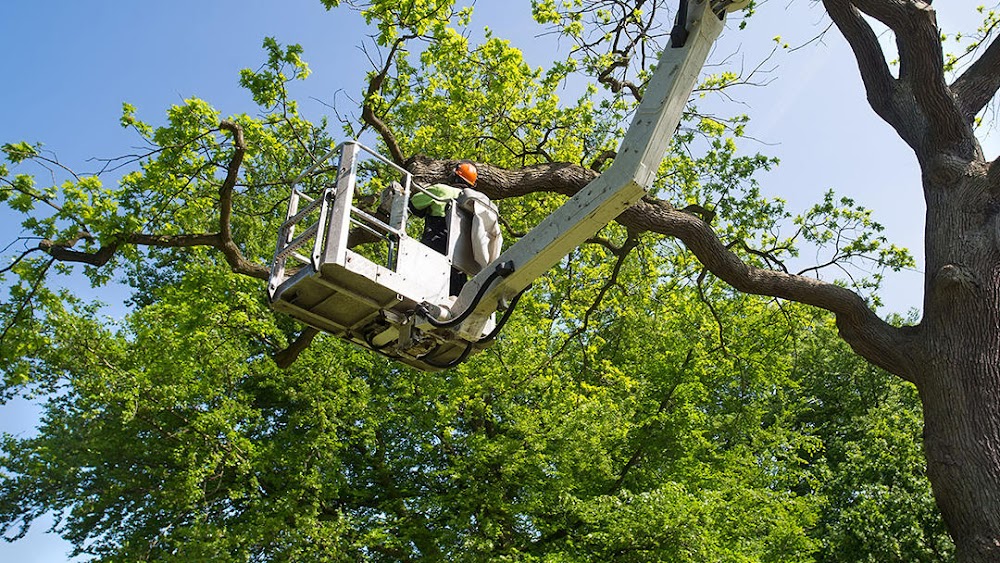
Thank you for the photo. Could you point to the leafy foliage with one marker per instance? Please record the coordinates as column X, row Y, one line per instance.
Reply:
column 635, row 409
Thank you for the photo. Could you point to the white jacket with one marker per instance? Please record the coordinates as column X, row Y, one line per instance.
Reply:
column 485, row 235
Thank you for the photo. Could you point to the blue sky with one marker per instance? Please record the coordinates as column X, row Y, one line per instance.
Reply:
column 70, row 65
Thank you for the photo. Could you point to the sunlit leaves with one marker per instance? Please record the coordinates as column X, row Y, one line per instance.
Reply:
column 283, row 64
column 846, row 232
column 18, row 152
column 967, row 44
column 633, row 409
column 872, row 470
column 417, row 17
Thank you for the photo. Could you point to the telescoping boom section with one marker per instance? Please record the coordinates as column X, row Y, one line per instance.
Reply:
column 347, row 261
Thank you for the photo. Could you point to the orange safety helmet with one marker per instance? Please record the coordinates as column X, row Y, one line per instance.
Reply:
column 467, row 171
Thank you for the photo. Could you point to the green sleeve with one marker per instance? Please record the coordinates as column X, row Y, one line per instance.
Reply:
column 436, row 208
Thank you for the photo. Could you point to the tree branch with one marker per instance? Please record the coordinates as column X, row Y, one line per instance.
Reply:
column 922, row 68
column 63, row 252
column 602, row 159
column 979, row 83
column 368, row 112
column 993, row 178
column 287, row 357
column 879, row 82
column 226, row 245
column 870, row 336
column 223, row 240
column 621, row 254
column 500, row 183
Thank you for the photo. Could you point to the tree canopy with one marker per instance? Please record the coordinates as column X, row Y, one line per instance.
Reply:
column 648, row 400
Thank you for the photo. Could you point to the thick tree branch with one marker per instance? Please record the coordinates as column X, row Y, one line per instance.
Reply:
column 870, row 336
column 234, row 257
column 60, row 251
column 368, row 112
column 501, row 183
column 602, row 159
column 287, row 357
column 993, row 178
column 222, row 240
column 879, row 82
column 979, row 83
column 922, row 67
column 63, row 252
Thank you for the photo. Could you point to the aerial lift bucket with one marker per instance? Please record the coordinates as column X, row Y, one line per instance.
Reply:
column 400, row 305
column 357, row 273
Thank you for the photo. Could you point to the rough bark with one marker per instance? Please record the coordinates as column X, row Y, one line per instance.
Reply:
column 979, row 83
column 956, row 365
column 959, row 377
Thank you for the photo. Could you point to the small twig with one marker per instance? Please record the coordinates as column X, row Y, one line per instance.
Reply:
column 715, row 314
column 27, row 300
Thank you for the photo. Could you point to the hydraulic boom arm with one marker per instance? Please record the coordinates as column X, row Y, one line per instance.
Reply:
column 392, row 295
column 621, row 186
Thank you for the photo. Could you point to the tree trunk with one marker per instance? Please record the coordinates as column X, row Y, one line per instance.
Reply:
column 962, row 441
column 959, row 374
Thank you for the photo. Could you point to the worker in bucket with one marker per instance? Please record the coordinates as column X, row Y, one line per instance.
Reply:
column 432, row 205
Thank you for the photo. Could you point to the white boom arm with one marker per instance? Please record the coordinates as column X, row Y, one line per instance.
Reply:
column 398, row 303
column 621, row 186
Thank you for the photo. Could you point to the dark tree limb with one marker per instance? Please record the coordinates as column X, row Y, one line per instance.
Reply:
column 64, row 252
column 368, row 112
column 48, row 247
column 287, row 357
column 222, row 240
column 922, row 68
column 602, row 159
column 870, row 336
column 893, row 13
column 993, row 178
column 500, row 183
column 879, row 83
column 233, row 255
column 101, row 256
column 979, row 83
column 616, row 85
column 766, row 255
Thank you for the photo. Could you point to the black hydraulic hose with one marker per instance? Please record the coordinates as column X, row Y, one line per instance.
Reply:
column 461, row 358
column 503, row 319
column 486, row 339
column 502, row 270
